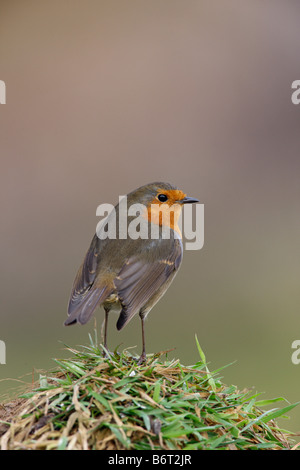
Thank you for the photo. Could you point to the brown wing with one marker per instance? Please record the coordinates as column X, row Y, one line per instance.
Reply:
column 85, row 296
column 138, row 281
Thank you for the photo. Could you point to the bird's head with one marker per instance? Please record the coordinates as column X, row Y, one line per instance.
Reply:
column 163, row 202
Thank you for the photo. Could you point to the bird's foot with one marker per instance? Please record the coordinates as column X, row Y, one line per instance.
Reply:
column 142, row 359
column 106, row 353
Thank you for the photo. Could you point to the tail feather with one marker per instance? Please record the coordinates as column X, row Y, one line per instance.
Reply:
column 87, row 306
column 124, row 318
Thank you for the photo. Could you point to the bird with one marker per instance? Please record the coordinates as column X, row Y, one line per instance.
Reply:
column 129, row 275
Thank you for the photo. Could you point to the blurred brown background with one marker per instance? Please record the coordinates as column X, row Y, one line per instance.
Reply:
column 104, row 96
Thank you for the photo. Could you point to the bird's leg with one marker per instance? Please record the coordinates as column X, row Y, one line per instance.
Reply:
column 105, row 331
column 143, row 355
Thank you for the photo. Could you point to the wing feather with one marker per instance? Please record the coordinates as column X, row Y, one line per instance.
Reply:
column 85, row 295
column 139, row 281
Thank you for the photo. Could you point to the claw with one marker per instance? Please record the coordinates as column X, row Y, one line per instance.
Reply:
column 142, row 359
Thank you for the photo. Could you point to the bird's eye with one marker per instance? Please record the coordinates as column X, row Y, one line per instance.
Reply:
column 162, row 197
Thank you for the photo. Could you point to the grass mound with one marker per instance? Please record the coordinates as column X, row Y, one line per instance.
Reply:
column 110, row 403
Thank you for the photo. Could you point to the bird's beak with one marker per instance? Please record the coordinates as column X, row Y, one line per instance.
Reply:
column 188, row 200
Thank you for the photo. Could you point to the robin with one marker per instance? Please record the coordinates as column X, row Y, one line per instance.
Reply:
column 129, row 275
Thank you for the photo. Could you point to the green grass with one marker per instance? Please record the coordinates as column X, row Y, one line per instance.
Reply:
column 91, row 402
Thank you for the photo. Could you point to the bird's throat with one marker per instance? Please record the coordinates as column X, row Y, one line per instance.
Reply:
column 164, row 215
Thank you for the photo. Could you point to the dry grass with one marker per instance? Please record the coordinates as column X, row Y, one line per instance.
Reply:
column 92, row 402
